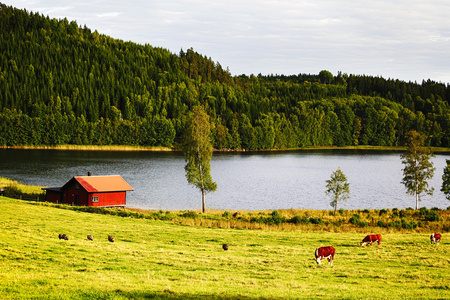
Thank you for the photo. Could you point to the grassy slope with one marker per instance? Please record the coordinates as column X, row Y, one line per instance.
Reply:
column 154, row 259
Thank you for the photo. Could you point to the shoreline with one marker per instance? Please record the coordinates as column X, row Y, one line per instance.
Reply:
column 166, row 149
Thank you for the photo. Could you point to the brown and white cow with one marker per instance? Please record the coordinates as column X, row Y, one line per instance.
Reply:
column 325, row 252
column 435, row 238
column 371, row 238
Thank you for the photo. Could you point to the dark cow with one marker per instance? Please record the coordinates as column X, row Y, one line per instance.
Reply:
column 435, row 238
column 90, row 237
column 111, row 238
column 325, row 252
column 371, row 238
column 63, row 236
column 225, row 247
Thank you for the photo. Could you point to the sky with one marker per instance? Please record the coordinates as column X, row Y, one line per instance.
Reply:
column 397, row 39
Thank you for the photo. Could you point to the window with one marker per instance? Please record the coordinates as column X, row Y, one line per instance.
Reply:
column 94, row 199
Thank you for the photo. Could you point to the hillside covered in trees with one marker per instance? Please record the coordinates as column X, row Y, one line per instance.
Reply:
column 61, row 83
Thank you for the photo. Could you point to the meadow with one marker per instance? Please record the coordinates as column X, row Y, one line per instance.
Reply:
column 154, row 259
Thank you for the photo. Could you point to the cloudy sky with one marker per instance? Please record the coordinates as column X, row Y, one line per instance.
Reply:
column 401, row 39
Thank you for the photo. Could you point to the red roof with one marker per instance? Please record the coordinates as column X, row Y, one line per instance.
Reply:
column 112, row 183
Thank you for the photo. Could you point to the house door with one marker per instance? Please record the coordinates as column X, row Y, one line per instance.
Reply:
column 77, row 200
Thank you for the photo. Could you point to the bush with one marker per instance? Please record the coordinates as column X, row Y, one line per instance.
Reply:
column 363, row 224
column 403, row 213
column 395, row 224
column 189, row 214
column 298, row 220
column 382, row 212
column 410, row 225
column 276, row 218
column 354, row 219
column 432, row 216
column 381, row 224
column 12, row 191
column 315, row 220
column 226, row 214
column 341, row 211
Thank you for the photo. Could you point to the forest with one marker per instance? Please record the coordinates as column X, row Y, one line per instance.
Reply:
column 62, row 83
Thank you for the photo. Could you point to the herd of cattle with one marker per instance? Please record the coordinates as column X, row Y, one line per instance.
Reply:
column 320, row 253
column 329, row 251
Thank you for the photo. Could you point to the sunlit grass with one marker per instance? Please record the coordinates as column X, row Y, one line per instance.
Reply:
column 161, row 260
column 24, row 188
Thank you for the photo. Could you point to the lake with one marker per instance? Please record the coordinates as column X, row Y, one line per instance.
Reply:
column 246, row 181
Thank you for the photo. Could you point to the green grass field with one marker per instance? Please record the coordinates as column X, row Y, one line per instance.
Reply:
column 162, row 260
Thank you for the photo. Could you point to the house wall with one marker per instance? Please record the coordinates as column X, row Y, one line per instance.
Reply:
column 75, row 194
column 108, row 199
column 51, row 196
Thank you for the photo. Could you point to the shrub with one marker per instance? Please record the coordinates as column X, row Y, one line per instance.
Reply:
column 315, row 220
column 363, row 224
column 395, row 224
column 12, row 191
column 381, row 224
column 226, row 214
column 341, row 211
column 298, row 220
column 382, row 211
column 435, row 208
column 403, row 213
column 276, row 218
column 432, row 216
column 395, row 214
column 189, row 214
column 410, row 225
column 354, row 219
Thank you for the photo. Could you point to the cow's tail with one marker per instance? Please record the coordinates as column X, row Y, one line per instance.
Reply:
column 316, row 253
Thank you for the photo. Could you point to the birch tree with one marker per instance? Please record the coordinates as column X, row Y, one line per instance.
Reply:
column 418, row 167
column 337, row 188
column 197, row 150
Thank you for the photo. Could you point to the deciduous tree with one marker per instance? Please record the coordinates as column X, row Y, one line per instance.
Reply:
column 337, row 188
column 446, row 180
column 197, row 149
column 418, row 167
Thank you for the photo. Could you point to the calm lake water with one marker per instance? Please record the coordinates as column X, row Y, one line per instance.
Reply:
column 246, row 181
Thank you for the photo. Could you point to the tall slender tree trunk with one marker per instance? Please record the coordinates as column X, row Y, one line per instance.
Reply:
column 417, row 201
column 203, row 201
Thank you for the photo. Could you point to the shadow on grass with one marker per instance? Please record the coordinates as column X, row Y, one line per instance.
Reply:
column 167, row 294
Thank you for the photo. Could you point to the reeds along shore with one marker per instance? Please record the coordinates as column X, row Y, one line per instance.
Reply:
column 362, row 220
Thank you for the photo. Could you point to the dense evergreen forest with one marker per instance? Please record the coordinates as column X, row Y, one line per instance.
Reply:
column 61, row 83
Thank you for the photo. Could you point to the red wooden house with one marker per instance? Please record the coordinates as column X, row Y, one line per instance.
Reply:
column 104, row 191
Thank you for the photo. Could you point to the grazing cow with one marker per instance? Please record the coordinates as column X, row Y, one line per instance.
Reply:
column 435, row 238
column 63, row 236
column 371, row 238
column 225, row 247
column 325, row 252
column 111, row 238
column 90, row 237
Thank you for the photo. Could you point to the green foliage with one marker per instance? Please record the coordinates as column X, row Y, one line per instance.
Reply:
column 446, row 180
column 337, row 188
column 197, row 150
column 55, row 74
column 354, row 219
column 418, row 167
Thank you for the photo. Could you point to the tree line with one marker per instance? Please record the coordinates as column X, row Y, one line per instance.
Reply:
column 61, row 83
